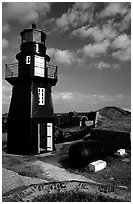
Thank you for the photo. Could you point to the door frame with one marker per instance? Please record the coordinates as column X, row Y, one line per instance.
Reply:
column 49, row 131
column 50, row 136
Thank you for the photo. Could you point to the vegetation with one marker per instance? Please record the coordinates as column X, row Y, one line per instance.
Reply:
column 114, row 119
column 117, row 172
column 73, row 197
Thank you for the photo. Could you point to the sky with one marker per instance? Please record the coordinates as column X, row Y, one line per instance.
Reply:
column 89, row 42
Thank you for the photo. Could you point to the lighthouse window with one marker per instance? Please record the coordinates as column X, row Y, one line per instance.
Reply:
column 27, row 36
column 28, row 59
column 37, row 36
column 41, row 96
column 39, row 66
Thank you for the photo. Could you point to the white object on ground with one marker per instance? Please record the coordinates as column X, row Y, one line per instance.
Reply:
column 97, row 165
column 121, row 152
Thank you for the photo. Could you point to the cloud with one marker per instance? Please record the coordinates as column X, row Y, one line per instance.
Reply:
column 25, row 12
column 123, row 55
column 93, row 50
column 103, row 66
column 62, row 96
column 105, row 39
column 121, row 20
column 80, row 13
column 113, row 9
column 5, row 28
column 51, row 51
column 123, row 45
column 6, row 94
column 89, row 13
column 63, row 56
column 83, row 101
column 97, row 34
column 116, row 66
column 77, row 97
column 125, row 23
column 5, row 43
column 121, row 42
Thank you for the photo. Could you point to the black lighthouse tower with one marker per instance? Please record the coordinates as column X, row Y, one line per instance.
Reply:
column 31, row 116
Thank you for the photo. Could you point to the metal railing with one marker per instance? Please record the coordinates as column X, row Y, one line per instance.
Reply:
column 52, row 71
column 11, row 70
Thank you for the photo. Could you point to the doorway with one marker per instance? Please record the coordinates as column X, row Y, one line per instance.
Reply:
column 45, row 137
column 42, row 140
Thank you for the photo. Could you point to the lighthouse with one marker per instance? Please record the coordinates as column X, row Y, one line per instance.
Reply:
column 30, row 124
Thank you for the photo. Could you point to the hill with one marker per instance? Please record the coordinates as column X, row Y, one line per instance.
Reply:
column 114, row 118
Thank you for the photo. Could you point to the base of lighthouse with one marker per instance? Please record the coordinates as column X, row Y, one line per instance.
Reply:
column 30, row 136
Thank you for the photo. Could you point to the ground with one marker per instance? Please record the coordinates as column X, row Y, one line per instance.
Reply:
column 51, row 169
column 57, row 167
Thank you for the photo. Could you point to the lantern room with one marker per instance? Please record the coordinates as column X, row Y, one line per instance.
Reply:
column 33, row 35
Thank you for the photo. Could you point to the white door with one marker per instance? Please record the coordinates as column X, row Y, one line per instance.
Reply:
column 50, row 136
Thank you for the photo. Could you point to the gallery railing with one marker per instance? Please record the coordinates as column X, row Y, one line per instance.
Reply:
column 11, row 70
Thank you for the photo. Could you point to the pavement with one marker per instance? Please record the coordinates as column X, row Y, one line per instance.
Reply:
column 60, row 174
column 14, row 185
column 12, row 180
column 50, row 173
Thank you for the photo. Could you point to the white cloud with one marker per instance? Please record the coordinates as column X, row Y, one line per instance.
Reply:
column 96, row 49
column 107, row 32
column 125, row 24
column 6, row 94
column 127, row 17
column 116, row 67
column 5, row 43
column 63, row 21
column 63, row 56
column 51, row 51
column 113, row 9
column 86, row 13
column 80, row 13
column 103, row 65
column 81, row 101
column 122, row 41
column 25, row 12
column 123, row 55
column 62, row 96
column 123, row 45
column 5, row 28
column 83, row 6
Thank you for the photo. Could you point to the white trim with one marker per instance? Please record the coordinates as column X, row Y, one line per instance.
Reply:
column 41, row 96
column 38, row 138
column 50, row 136
column 28, row 59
